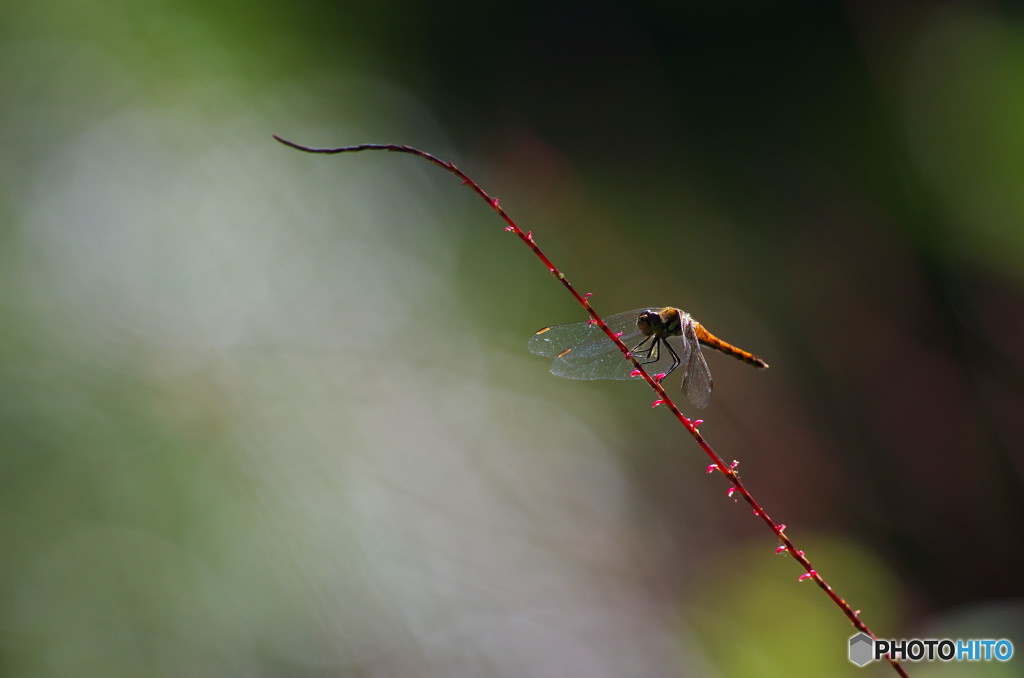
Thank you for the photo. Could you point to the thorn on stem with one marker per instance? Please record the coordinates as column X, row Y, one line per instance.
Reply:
column 780, row 549
column 806, row 576
column 657, row 402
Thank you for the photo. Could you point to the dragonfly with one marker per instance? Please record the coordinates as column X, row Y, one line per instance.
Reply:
column 661, row 338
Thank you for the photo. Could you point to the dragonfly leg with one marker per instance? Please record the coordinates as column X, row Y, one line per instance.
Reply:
column 646, row 355
column 675, row 357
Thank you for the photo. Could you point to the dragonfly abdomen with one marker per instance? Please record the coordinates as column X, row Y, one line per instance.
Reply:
column 708, row 339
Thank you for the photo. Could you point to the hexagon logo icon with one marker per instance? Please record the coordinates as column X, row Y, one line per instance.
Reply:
column 861, row 649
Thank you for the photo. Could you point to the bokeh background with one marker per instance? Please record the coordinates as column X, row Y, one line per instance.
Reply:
column 272, row 414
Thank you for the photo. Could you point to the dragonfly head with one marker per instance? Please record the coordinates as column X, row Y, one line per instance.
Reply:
column 649, row 322
column 661, row 322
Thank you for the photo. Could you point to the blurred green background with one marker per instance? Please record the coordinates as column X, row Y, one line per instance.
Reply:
column 271, row 414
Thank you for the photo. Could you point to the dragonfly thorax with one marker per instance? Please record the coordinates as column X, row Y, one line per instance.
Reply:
column 665, row 322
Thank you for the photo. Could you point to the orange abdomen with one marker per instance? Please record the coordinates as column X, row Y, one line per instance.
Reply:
column 708, row 339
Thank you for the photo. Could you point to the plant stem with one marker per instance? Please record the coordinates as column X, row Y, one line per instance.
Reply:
column 727, row 470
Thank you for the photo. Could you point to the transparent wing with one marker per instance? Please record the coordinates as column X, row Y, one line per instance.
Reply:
column 550, row 341
column 582, row 351
column 697, row 382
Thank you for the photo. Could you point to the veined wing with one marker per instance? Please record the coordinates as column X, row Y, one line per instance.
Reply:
column 697, row 382
column 582, row 351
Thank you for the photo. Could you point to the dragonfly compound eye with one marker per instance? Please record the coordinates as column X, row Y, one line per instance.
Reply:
column 647, row 322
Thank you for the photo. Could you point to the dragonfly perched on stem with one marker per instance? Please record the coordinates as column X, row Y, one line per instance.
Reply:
column 660, row 338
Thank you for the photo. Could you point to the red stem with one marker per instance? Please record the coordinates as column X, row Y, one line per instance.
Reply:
column 726, row 470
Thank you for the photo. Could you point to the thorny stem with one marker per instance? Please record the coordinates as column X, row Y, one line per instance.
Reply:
column 663, row 398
